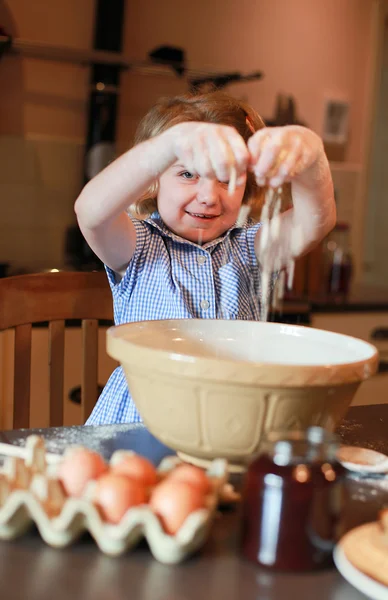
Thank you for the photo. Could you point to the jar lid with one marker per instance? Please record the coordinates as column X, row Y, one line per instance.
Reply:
column 310, row 445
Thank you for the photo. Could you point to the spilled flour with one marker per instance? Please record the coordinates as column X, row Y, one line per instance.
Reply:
column 57, row 439
column 368, row 488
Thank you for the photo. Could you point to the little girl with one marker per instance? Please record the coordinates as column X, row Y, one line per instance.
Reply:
column 164, row 219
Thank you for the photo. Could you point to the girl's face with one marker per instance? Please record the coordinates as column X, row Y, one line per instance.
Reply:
column 196, row 208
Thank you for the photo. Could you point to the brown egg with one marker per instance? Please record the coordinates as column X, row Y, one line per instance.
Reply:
column 78, row 468
column 136, row 467
column 192, row 475
column 173, row 501
column 115, row 494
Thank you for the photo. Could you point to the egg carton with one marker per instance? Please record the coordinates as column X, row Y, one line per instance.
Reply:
column 30, row 493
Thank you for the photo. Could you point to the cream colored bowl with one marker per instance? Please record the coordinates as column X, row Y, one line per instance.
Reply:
column 211, row 388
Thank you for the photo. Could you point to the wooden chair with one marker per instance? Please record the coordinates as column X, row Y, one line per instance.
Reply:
column 54, row 298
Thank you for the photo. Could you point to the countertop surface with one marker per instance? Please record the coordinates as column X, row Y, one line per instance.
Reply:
column 29, row 568
column 361, row 298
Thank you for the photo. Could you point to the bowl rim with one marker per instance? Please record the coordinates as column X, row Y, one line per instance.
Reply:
column 239, row 371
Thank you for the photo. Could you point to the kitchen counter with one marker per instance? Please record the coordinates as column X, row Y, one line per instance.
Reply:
column 30, row 568
column 361, row 298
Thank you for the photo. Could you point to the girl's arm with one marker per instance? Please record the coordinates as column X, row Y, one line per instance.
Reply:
column 296, row 154
column 102, row 205
column 207, row 149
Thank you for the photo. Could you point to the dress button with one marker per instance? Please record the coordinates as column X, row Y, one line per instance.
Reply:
column 201, row 259
column 205, row 304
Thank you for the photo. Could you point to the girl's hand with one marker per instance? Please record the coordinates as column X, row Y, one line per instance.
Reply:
column 282, row 154
column 210, row 150
column 293, row 154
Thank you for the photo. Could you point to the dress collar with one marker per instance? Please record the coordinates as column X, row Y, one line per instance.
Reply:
column 156, row 221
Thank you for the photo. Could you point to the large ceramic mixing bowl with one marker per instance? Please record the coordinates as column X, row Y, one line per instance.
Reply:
column 211, row 388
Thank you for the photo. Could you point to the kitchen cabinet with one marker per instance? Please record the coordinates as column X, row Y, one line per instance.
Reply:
column 368, row 326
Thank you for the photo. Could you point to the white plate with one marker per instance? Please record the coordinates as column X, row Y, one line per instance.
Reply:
column 368, row 586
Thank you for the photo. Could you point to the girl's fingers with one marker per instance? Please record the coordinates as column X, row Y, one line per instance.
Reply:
column 212, row 151
column 302, row 162
column 268, row 159
column 222, row 156
column 240, row 151
column 232, row 180
column 279, row 159
column 202, row 162
column 185, row 154
column 256, row 145
column 286, row 166
column 237, row 171
column 294, row 154
column 276, row 156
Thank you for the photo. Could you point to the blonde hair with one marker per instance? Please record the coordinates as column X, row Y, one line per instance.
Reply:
column 210, row 107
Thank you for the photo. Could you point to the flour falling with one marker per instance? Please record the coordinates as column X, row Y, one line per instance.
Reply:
column 268, row 251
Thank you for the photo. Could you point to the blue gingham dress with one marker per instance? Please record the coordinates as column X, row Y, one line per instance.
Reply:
column 169, row 277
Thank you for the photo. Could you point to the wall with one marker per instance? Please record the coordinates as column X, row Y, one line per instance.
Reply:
column 308, row 48
column 42, row 127
column 376, row 241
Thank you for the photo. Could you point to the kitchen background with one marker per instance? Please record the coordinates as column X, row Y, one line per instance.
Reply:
column 312, row 51
column 308, row 49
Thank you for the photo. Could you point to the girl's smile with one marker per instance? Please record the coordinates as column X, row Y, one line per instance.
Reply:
column 188, row 203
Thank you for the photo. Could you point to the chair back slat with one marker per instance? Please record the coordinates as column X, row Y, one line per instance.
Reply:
column 89, row 386
column 22, row 376
column 54, row 298
column 56, row 372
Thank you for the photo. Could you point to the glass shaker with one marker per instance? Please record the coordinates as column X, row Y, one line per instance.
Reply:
column 338, row 262
column 292, row 501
